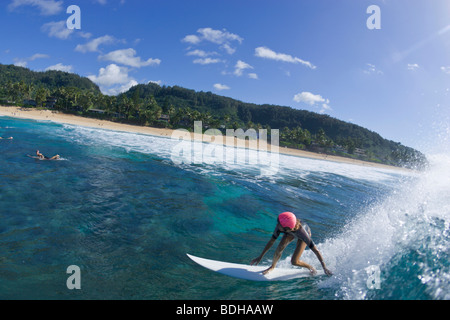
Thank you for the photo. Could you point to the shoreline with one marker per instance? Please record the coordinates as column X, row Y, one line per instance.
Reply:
column 55, row 116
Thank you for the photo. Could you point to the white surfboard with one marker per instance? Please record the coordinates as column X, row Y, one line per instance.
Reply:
column 253, row 273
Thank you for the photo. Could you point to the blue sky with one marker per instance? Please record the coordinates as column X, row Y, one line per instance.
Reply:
column 316, row 55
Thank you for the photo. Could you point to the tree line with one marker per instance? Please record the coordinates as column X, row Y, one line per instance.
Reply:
column 177, row 107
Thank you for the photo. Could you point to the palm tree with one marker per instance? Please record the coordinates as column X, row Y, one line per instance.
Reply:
column 187, row 114
column 171, row 110
column 195, row 115
column 86, row 100
column 72, row 95
column 29, row 91
column 41, row 96
column 226, row 119
column 60, row 95
column 176, row 118
column 206, row 118
column 150, row 111
column 250, row 125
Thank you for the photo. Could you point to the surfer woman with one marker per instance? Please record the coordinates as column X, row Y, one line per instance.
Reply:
column 42, row 157
column 292, row 228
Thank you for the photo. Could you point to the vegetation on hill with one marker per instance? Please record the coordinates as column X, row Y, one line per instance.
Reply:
column 51, row 80
column 177, row 107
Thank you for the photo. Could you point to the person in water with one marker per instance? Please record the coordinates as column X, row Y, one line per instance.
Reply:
column 292, row 228
column 42, row 157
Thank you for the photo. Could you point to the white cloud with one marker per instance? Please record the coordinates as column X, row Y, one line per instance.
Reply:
column 46, row 7
column 201, row 53
column 313, row 100
column 445, row 70
column 60, row 67
column 123, row 88
column 111, row 75
column 372, row 69
column 39, row 56
column 240, row 67
column 57, row 30
column 325, row 107
column 220, row 87
column 218, row 36
column 413, row 67
column 22, row 62
column 128, row 57
column 309, row 98
column 158, row 82
column 253, row 76
column 113, row 79
column 266, row 53
column 228, row 48
column 206, row 61
column 223, row 38
column 193, row 39
column 92, row 46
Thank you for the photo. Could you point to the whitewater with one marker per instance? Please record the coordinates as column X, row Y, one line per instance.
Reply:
column 122, row 210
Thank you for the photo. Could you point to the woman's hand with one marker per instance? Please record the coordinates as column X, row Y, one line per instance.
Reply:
column 327, row 272
column 313, row 271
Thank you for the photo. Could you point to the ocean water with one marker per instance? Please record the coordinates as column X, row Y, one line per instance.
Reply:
column 121, row 209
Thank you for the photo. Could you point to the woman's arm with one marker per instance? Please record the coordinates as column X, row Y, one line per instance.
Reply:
column 266, row 248
column 319, row 256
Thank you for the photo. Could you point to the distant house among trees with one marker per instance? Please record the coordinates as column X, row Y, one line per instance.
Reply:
column 96, row 111
column 360, row 152
column 339, row 148
column 164, row 117
column 29, row 102
column 50, row 103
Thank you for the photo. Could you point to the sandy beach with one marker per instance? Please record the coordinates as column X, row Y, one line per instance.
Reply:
column 55, row 116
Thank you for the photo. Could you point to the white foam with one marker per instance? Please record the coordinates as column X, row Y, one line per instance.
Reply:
column 407, row 220
column 247, row 162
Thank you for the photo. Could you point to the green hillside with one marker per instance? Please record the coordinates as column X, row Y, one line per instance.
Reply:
column 50, row 80
column 298, row 128
column 177, row 107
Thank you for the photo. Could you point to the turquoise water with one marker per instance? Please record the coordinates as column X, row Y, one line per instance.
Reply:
column 118, row 207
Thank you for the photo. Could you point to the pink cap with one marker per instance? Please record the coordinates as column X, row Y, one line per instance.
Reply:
column 287, row 220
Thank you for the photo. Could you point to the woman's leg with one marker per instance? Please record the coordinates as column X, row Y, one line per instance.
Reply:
column 295, row 260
